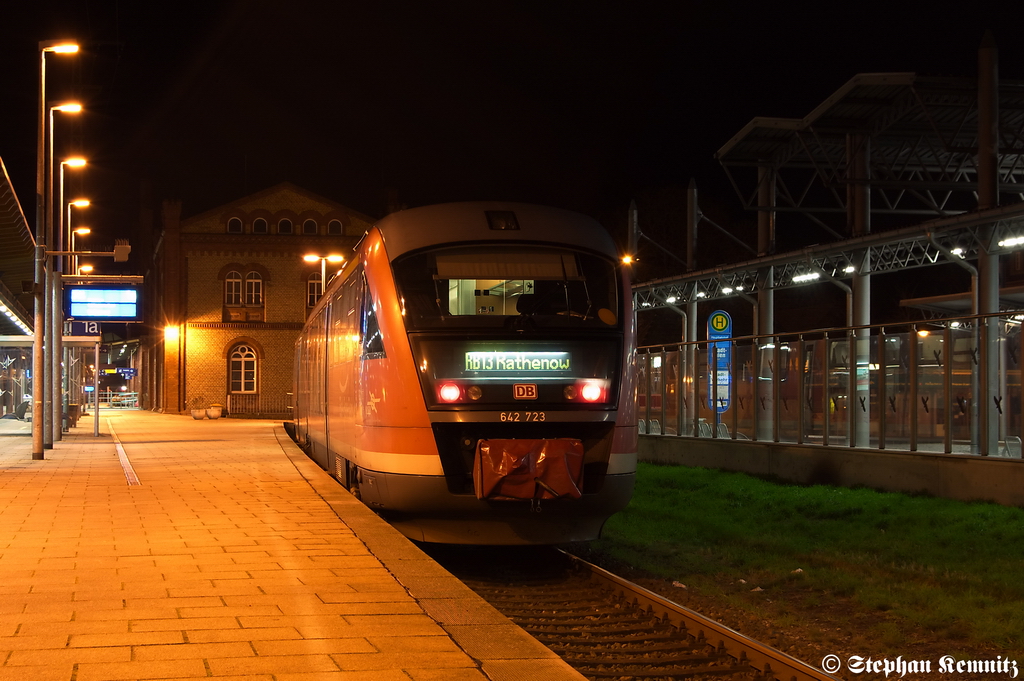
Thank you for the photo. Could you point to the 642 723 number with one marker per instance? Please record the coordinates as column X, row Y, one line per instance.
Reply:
column 522, row 416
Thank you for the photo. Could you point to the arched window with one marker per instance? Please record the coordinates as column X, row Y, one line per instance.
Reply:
column 253, row 289
column 235, row 226
column 233, row 289
column 334, row 228
column 242, row 369
column 284, row 226
column 309, row 227
column 259, row 226
column 314, row 289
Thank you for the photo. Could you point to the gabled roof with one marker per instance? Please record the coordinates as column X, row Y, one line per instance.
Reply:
column 266, row 195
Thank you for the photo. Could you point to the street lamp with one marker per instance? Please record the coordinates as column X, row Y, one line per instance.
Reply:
column 80, row 231
column 70, row 231
column 74, row 162
column 52, row 270
column 39, row 289
column 324, row 259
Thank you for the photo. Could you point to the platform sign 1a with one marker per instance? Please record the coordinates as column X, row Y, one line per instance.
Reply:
column 720, row 359
column 86, row 329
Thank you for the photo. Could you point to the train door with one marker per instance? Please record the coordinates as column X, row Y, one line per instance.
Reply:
column 342, row 376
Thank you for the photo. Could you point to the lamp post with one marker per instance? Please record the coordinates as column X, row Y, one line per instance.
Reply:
column 54, row 313
column 324, row 259
column 39, row 289
column 79, row 231
column 70, row 230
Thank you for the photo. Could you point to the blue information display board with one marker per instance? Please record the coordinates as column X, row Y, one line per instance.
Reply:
column 103, row 303
column 720, row 359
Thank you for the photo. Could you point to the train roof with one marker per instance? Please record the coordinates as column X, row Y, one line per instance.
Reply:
column 417, row 228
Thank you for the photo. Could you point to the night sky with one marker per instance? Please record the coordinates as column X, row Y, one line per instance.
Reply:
column 582, row 105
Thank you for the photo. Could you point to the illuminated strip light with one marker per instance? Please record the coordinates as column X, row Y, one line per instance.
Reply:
column 1015, row 241
column 14, row 318
column 809, row 276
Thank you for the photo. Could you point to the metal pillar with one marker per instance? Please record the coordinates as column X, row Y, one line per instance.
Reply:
column 692, row 218
column 988, row 262
column 764, row 321
column 55, row 355
column 858, row 150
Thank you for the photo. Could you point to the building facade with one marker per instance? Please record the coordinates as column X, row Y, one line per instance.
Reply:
column 229, row 292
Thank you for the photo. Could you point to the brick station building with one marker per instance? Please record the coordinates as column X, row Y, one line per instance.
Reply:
column 228, row 294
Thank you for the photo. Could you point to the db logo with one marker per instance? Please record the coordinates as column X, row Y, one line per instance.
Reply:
column 524, row 391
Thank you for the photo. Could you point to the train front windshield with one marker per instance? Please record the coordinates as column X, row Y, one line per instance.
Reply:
column 508, row 286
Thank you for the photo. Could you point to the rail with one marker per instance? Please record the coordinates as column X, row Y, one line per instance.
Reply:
column 912, row 386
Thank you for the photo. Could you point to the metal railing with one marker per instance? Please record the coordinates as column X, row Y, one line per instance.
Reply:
column 916, row 386
column 258, row 404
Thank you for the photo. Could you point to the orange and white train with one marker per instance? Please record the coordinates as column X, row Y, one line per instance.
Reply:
column 469, row 375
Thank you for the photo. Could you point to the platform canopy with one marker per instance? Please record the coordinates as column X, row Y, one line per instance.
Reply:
column 923, row 137
column 16, row 261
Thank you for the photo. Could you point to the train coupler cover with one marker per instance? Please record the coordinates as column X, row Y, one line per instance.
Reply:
column 528, row 469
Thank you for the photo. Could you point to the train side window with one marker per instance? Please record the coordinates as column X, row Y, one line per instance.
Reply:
column 373, row 343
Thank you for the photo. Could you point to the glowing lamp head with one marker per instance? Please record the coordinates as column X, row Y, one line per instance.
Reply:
column 627, row 260
column 591, row 392
column 449, row 392
column 335, row 258
column 311, row 258
column 62, row 48
column 76, row 162
column 80, row 203
column 82, row 231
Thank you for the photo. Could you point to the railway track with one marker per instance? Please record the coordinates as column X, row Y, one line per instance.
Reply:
column 611, row 629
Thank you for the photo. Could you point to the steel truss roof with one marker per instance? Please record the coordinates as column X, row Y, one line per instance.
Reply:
column 923, row 142
column 930, row 243
column 922, row 137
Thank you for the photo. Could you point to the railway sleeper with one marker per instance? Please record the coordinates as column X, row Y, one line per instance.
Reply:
column 646, row 672
column 645, row 644
column 597, row 620
column 649, row 660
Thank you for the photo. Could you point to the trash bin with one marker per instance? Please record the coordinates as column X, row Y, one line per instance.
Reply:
column 74, row 413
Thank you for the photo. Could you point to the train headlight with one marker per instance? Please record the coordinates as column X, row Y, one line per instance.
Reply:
column 591, row 392
column 570, row 392
column 474, row 392
column 449, row 392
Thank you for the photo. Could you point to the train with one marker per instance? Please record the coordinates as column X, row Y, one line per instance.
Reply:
column 469, row 374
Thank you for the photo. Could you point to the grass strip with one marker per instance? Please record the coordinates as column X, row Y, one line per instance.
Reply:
column 945, row 569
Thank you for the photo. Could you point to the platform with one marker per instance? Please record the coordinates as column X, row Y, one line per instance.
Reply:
column 174, row 548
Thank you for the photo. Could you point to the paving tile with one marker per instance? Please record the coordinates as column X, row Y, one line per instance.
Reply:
column 186, row 651
column 272, row 664
column 159, row 669
column 134, row 638
column 242, row 634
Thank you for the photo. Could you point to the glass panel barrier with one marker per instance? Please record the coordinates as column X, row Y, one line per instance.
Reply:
column 789, row 396
column 670, row 424
column 740, row 417
column 911, row 386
